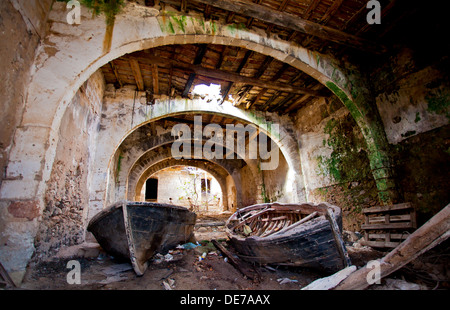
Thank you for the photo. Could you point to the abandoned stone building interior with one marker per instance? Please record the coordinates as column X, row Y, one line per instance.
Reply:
column 219, row 105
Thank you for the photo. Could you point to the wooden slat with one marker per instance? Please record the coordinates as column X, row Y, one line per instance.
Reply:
column 244, row 61
column 392, row 218
column 116, row 74
column 338, row 238
column 388, row 226
column 393, row 236
column 379, row 209
column 197, row 61
column 381, row 244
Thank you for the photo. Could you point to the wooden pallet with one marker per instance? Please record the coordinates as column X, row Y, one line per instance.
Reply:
column 388, row 226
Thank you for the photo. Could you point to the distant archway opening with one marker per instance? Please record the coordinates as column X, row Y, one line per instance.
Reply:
column 186, row 186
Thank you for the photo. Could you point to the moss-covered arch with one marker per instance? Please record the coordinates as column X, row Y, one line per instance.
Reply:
column 361, row 105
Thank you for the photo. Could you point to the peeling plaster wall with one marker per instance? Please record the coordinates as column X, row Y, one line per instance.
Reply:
column 277, row 184
column 412, row 97
column 23, row 24
column 67, row 195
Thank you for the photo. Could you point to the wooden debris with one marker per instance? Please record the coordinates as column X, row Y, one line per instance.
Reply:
column 338, row 237
column 332, row 281
column 432, row 233
column 5, row 279
column 237, row 263
column 388, row 226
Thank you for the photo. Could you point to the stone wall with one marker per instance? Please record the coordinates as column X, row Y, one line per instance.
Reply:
column 67, row 195
column 412, row 88
column 23, row 25
column 334, row 159
column 413, row 98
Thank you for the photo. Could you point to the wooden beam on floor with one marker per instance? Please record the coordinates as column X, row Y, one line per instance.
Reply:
column 430, row 234
column 294, row 22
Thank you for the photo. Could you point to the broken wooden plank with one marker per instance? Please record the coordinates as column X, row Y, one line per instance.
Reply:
column 251, row 217
column 238, row 264
column 330, row 282
column 430, row 234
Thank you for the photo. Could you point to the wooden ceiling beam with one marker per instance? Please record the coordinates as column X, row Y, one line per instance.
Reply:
column 155, row 77
column 134, row 64
column 266, row 63
column 239, row 69
column 325, row 18
column 294, row 22
column 116, row 73
column 297, row 103
column 226, row 76
column 197, row 61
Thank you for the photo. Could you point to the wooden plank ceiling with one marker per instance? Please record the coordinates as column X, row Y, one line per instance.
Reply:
column 253, row 80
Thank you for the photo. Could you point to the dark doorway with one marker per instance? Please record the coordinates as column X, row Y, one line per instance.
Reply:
column 151, row 190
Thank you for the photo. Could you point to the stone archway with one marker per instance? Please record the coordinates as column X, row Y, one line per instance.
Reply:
column 69, row 55
column 115, row 131
column 65, row 60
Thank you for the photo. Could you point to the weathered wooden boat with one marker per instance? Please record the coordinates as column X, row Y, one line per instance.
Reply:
column 137, row 230
column 307, row 235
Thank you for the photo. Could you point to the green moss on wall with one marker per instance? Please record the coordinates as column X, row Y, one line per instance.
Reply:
column 348, row 160
column 439, row 104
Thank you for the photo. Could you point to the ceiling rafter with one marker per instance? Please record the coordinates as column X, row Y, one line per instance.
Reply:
column 134, row 64
column 247, row 55
column 293, row 22
column 197, row 61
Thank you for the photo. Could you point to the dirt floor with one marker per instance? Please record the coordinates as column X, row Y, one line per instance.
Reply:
column 185, row 269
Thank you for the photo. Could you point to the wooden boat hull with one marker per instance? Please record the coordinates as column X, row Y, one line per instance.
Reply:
column 135, row 231
column 316, row 243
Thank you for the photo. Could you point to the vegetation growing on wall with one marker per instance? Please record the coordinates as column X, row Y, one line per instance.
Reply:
column 352, row 184
column 110, row 8
column 348, row 160
column 439, row 104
